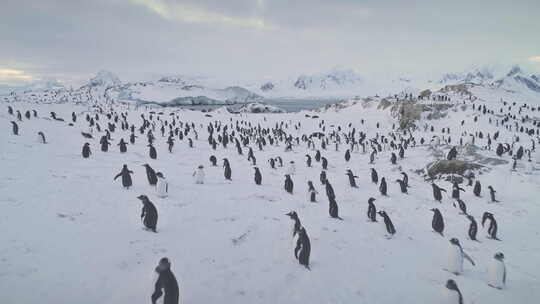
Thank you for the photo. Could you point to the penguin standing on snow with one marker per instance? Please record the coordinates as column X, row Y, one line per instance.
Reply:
column 402, row 186
column 374, row 176
column 496, row 276
column 123, row 146
column 477, row 188
column 437, row 195
column 104, row 141
column 462, row 206
column 41, row 138
column 456, row 256
column 165, row 282
column 152, row 151
column 151, row 175
column 213, row 160
column 162, row 187
column 15, row 128
column 126, row 177
column 352, row 178
column 492, row 230
column 405, row 179
column 303, row 248
column 455, row 190
column 288, row 185
column 199, row 175
column 473, row 228
column 308, row 160
column 322, row 177
column 492, row 194
column 372, row 211
column 86, row 150
column 333, row 209
column 149, row 213
column 393, row 158
column 227, row 172
column 258, row 176
column 388, row 223
column 297, row 224
column 383, row 187
column 312, row 192
column 437, row 223
column 452, row 294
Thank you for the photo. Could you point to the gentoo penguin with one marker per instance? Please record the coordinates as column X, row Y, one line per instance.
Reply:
column 352, row 178
column 452, row 154
column 492, row 194
column 123, row 146
column 15, row 128
column 199, row 175
column 456, row 256
column 372, row 211
column 162, row 187
column 382, row 187
column 312, row 192
column 86, row 150
column 437, row 195
column 389, row 225
column 296, row 227
column 104, row 141
column 333, row 209
column 288, row 185
column 477, row 188
column 393, row 158
column 132, row 138
column 492, row 230
column 437, row 223
column 455, row 190
column 151, row 175
column 213, row 160
column 473, row 228
column 374, row 176
column 308, row 160
column 324, row 163
column 167, row 283
column 405, row 179
column 126, row 176
column 451, row 293
column 347, row 155
column 258, row 176
column 227, row 172
column 41, row 138
column 402, row 185
column 303, row 248
column 152, row 151
column 322, row 177
column 496, row 276
column 149, row 213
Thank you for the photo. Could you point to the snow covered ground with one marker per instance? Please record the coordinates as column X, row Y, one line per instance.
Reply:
column 71, row 234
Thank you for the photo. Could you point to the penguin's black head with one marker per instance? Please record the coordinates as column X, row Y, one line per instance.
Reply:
column 142, row 197
column 381, row 213
column 434, row 209
column 499, row 256
column 292, row 214
column 86, row 144
column 164, row 264
column 454, row 241
column 451, row 284
column 371, row 199
column 159, row 174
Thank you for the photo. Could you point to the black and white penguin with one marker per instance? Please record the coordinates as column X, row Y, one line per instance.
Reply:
column 451, row 293
column 288, row 185
column 272, row 163
column 437, row 195
column 324, row 163
column 308, row 160
column 162, row 186
column 477, row 189
column 151, row 175
column 492, row 194
column 393, row 158
column 374, row 176
column 303, row 248
column 405, row 179
column 322, row 177
column 258, row 176
column 383, row 187
column 152, row 151
column 297, row 224
column 86, row 150
column 352, row 178
column 388, row 223
column 452, row 154
column 473, row 228
column 15, row 128
column 126, row 177
column 492, row 230
column 213, row 160
column 347, row 155
column 167, row 283
column 104, row 141
column 227, row 172
column 372, row 210
column 437, row 223
column 149, row 214
column 41, row 138
column 402, row 185
column 123, row 146
column 462, row 206
column 455, row 190
column 456, row 256
column 312, row 192
column 333, row 208
column 496, row 275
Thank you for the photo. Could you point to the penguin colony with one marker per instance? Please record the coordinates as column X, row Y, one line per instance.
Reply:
column 105, row 128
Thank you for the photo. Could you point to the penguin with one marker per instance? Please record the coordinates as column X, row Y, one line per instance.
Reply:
column 258, row 177
column 492, row 194
column 382, row 187
column 322, row 177
column 167, row 283
column 452, row 294
column 405, row 179
column 289, row 185
column 312, row 192
column 162, row 186
column 477, row 188
column 462, row 206
column 492, row 230
column 213, row 160
column 152, row 151
column 347, row 155
column 388, row 223
column 455, row 257
column 437, row 223
column 149, row 214
column 303, row 248
column 393, row 158
column 41, row 138
column 272, row 163
column 333, row 209
column 473, row 228
column 227, row 172
column 455, row 190
column 324, row 163
column 297, row 224
column 151, row 175
column 402, row 186
column 308, row 160
column 132, row 138
column 452, row 154
column 496, row 274
column 126, row 177
column 374, row 176
column 123, row 146
column 86, row 150
column 199, row 175
column 372, row 211
column 437, row 195
column 352, row 178
column 104, row 143
column 15, row 128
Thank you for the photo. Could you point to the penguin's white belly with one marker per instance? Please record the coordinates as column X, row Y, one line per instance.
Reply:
column 454, row 260
column 449, row 297
column 495, row 274
column 162, row 188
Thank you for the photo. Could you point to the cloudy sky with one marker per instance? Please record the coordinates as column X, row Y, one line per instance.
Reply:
column 70, row 40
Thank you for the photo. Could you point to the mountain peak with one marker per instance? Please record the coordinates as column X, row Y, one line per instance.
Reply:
column 105, row 78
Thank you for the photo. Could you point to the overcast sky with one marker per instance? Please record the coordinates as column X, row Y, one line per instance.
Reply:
column 258, row 39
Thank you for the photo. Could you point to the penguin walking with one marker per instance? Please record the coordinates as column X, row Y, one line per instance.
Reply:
column 437, row 223
column 162, row 186
column 333, row 209
column 451, row 293
column 352, row 178
column 41, row 138
column 383, row 187
column 104, row 141
column 405, row 179
column 15, row 128
column 492, row 230
column 402, row 186
column 149, row 214
column 288, row 185
column 322, row 177
column 462, row 206
column 152, row 151
column 477, row 188
column 167, row 283
column 492, row 194
column 473, row 228
column 374, row 176
column 126, row 177
column 86, row 150
column 308, row 160
column 303, row 248
column 324, row 163
column 437, row 195
column 496, row 275
column 151, row 175
column 455, row 257
column 258, row 176
column 312, row 192
column 297, row 224
column 227, row 172
column 199, row 175
column 372, row 210
column 455, row 190
column 388, row 223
